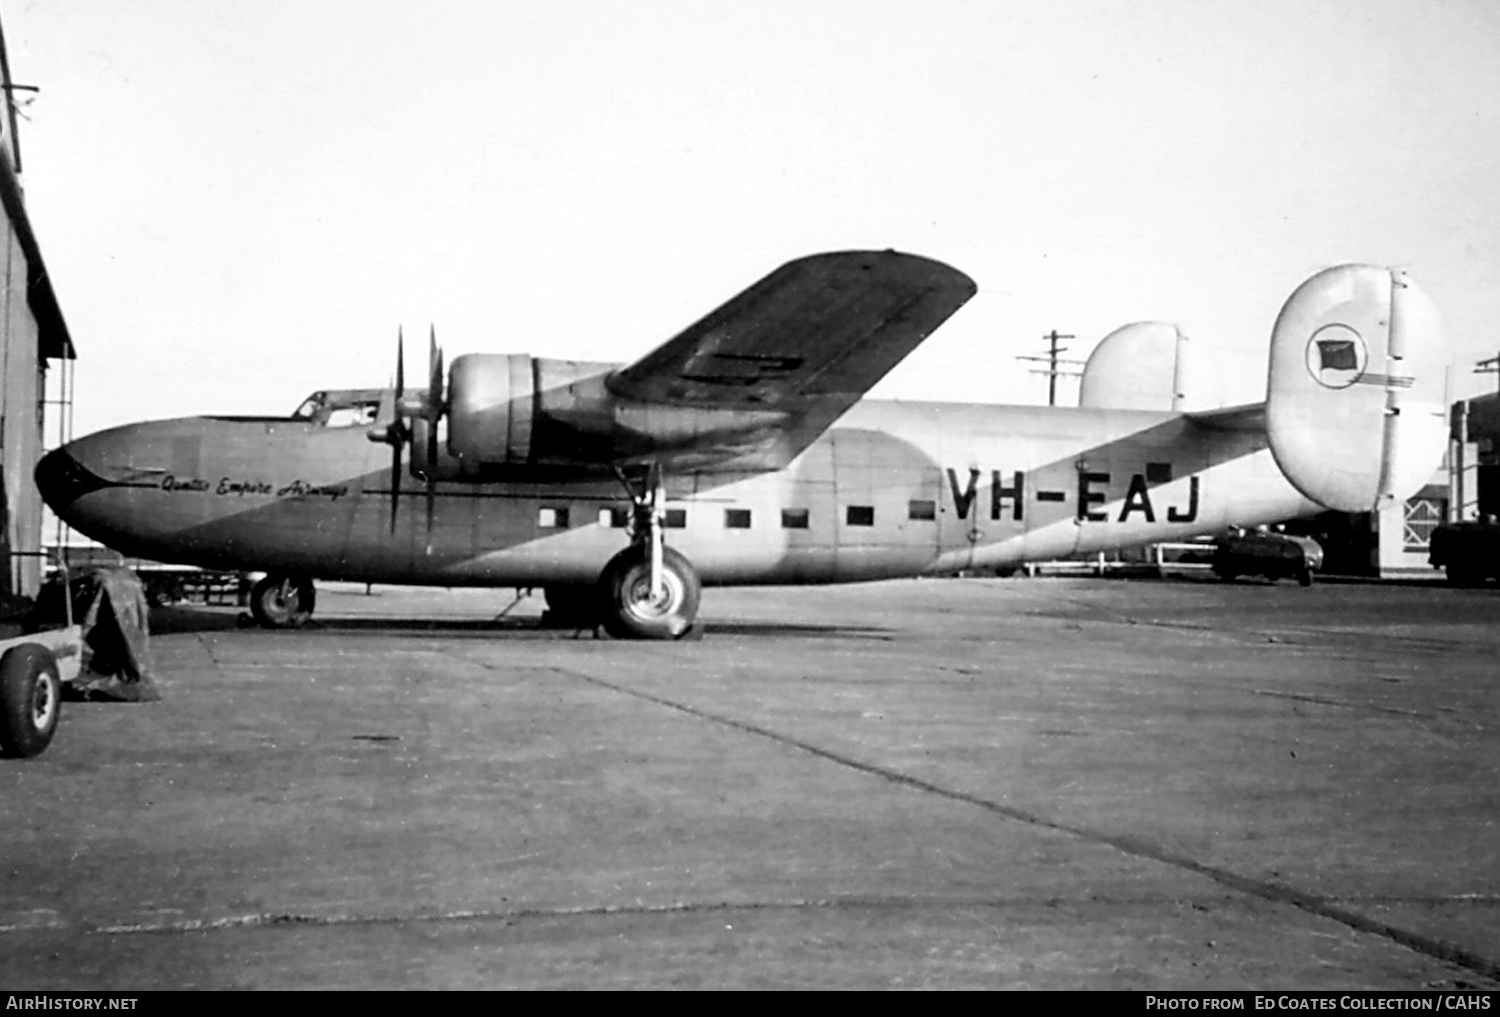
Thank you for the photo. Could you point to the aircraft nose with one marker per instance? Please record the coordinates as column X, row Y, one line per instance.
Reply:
column 62, row 479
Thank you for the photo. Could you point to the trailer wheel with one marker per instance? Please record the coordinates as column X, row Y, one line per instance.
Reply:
column 30, row 696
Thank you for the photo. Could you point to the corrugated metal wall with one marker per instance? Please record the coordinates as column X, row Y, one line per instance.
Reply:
column 20, row 425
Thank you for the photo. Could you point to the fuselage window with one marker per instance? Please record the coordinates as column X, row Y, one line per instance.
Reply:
column 549, row 517
column 676, row 519
column 794, row 519
column 736, row 519
column 615, row 518
column 860, row 515
column 918, row 509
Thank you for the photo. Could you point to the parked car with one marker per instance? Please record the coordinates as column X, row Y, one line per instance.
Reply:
column 1469, row 552
column 1267, row 553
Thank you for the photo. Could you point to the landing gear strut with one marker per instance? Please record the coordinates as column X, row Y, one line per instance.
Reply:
column 648, row 590
column 282, row 601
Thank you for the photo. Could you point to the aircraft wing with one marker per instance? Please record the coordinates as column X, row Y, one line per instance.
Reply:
column 795, row 350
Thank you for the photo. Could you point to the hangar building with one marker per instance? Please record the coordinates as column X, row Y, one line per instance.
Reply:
column 32, row 334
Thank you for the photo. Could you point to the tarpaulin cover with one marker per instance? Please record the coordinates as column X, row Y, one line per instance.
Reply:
column 110, row 605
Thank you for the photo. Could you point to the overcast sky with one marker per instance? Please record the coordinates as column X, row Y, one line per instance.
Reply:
column 240, row 200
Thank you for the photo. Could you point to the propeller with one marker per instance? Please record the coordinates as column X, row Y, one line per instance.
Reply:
column 433, row 411
column 395, row 433
column 398, row 433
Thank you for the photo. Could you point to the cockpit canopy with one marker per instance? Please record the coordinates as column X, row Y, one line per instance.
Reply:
column 350, row 407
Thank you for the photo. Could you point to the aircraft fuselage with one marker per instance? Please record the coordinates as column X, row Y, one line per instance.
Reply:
column 891, row 489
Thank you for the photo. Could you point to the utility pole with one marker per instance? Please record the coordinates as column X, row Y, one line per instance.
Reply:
column 1053, row 369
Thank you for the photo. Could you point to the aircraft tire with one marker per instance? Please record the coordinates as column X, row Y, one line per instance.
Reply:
column 629, row 610
column 1304, row 577
column 283, row 602
column 30, row 698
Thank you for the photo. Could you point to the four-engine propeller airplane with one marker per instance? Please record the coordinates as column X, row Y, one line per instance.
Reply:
column 739, row 452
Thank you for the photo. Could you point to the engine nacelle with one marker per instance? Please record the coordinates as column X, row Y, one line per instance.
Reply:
column 491, row 407
column 499, row 407
column 1356, row 401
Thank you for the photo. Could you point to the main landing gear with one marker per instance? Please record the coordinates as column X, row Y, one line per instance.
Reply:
column 283, row 602
column 648, row 590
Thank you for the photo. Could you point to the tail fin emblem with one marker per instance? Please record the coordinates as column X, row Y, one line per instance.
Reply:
column 1336, row 356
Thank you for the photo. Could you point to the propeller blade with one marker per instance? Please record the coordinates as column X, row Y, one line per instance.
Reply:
column 400, row 369
column 434, row 413
column 431, row 478
column 431, row 474
column 434, row 374
column 398, row 429
column 395, row 482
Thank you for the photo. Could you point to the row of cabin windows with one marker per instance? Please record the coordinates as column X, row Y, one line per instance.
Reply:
column 555, row 517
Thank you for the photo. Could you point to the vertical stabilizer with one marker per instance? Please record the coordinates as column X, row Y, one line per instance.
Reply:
column 1355, row 407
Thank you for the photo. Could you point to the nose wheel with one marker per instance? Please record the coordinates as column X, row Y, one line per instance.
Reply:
column 282, row 602
column 648, row 590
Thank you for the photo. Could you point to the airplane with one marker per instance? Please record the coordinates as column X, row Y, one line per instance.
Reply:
column 742, row 452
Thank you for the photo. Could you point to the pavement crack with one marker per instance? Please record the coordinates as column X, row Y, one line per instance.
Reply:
column 1278, row 893
column 1443, row 899
column 271, row 919
column 1325, row 701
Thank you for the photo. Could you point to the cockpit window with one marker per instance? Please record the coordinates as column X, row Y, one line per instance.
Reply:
column 310, row 408
column 352, row 416
column 340, row 409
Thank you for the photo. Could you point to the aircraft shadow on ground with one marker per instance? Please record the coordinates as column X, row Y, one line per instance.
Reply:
column 179, row 620
column 524, row 627
column 173, row 620
column 731, row 627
